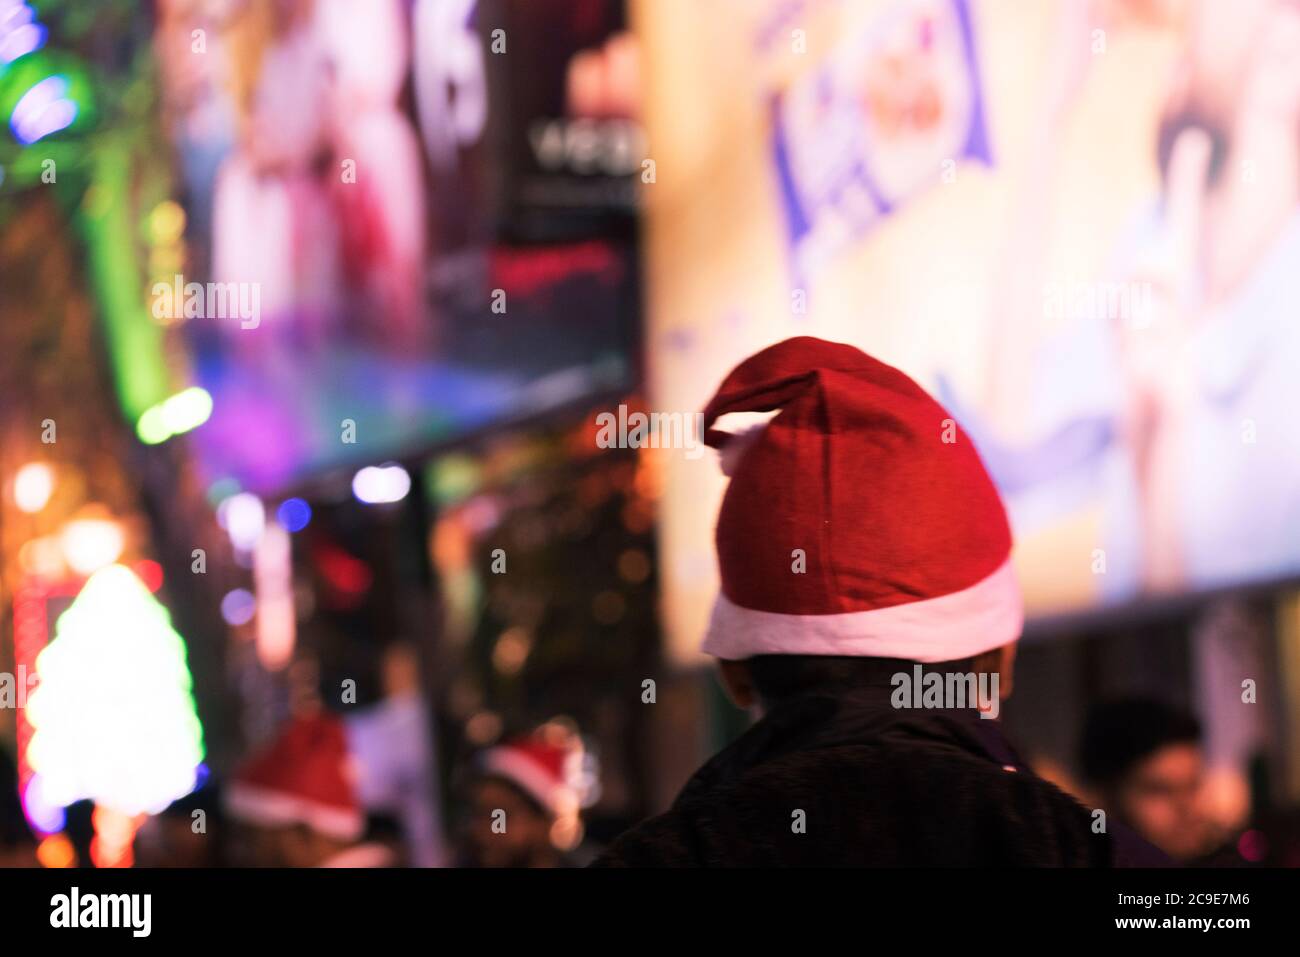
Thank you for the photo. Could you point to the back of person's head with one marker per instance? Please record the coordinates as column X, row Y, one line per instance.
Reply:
column 778, row 678
column 1120, row 734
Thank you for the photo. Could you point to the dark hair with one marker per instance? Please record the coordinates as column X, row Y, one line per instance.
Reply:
column 780, row 677
column 517, row 789
column 383, row 827
column 1119, row 734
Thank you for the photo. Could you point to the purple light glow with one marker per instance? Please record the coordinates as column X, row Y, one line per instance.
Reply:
column 43, row 110
column 21, row 42
column 41, row 814
column 19, row 34
column 238, row 607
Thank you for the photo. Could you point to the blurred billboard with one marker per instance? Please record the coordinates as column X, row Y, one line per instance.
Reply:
column 1064, row 219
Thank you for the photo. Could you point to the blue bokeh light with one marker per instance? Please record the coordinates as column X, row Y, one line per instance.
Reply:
column 294, row 514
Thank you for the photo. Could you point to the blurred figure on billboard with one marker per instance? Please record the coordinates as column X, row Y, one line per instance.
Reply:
column 273, row 221
column 1166, row 388
column 378, row 180
column 300, row 204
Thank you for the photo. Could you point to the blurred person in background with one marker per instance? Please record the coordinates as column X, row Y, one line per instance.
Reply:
column 394, row 758
column 188, row 833
column 17, row 844
column 861, row 542
column 1143, row 762
column 524, row 802
column 295, row 803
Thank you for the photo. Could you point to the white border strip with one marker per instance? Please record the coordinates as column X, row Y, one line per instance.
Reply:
column 959, row 625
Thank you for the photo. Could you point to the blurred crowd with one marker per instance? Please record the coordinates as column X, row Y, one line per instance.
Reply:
column 519, row 804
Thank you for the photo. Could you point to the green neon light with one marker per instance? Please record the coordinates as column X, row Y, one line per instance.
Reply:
column 134, row 340
column 174, row 416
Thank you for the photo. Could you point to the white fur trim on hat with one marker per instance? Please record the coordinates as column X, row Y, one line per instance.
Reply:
column 987, row 615
column 734, row 448
column 363, row 855
column 262, row 806
column 537, row 781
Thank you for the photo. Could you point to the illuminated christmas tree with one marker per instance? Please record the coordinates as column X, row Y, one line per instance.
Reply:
column 113, row 713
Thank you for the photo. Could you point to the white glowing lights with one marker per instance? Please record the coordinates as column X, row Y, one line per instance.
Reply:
column 112, row 713
column 380, row 484
column 91, row 543
column 33, row 486
column 276, row 618
column 43, row 558
column 244, row 519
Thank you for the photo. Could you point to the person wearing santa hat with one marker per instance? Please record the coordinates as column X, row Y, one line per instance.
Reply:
column 863, row 549
column 524, row 801
column 295, row 801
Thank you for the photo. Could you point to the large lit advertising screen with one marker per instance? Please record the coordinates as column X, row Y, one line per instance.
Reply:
column 392, row 241
column 1093, row 262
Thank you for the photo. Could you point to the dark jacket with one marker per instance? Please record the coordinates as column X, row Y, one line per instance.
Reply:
column 877, row 787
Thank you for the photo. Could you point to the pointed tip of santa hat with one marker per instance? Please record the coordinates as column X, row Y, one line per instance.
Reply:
column 302, row 777
column 859, row 521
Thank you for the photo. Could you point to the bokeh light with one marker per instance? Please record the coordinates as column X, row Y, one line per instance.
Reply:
column 379, row 484
column 238, row 607
column 33, row 486
column 294, row 514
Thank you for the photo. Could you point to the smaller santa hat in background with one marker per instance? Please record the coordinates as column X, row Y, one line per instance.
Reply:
column 303, row 777
column 550, row 765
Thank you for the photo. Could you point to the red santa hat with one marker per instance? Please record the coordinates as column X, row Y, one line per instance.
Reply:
column 859, row 521
column 303, row 777
column 547, row 768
